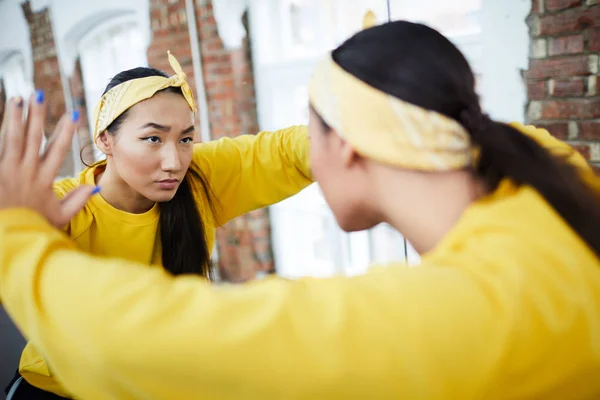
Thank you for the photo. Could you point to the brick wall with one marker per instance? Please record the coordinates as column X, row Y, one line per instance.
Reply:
column 244, row 243
column 562, row 81
column 170, row 31
column 46, row 71
column 78, row 98
column 2, row 100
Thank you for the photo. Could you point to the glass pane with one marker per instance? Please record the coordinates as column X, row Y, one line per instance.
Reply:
column 103, row 56
column 288, row 38
column 454, row 19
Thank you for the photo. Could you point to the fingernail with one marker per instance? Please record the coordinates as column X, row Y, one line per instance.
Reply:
column 39, row 96
column 75, row 117
column 19, row 101
column 96, row 190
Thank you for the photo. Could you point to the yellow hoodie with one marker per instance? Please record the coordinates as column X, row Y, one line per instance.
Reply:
column 507, row 306
column 245, row 173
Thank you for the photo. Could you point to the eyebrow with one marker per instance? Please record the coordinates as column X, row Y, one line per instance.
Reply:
column 190, row 129
column 156, row 126
column 165, row 128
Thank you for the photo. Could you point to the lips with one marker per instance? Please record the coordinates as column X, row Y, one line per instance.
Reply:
column 168, row 184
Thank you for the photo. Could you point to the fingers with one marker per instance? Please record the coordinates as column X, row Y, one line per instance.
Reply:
column 74, row 202
column 35, row 129
column 58, row 149
column 14, row 134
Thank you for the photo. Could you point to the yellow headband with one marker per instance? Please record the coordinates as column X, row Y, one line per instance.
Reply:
column 120, row 98
column 385, row 128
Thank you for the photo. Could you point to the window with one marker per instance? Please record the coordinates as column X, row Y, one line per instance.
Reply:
column 12, row 72
column 306, row 237
column 103, row 55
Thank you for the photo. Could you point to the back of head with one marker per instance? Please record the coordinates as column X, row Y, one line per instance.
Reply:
column 418, row 65
column 411, row 62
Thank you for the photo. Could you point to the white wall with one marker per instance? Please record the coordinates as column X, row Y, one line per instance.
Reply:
column 14, row 35
column 505, row 40
column 72, row 20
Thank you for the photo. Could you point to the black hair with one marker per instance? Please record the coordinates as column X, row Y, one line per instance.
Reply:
column 419, row 65
column 182, row 231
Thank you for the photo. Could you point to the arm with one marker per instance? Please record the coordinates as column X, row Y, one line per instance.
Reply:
column 253, row 171
column 135, row 332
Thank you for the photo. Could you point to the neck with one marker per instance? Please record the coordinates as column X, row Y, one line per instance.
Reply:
column 425, row 207
column 119, row 194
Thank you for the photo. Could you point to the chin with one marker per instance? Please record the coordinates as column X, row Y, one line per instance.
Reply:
column 354, row 223
column 162, row 196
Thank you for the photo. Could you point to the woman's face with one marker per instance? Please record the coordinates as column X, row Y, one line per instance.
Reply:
column 152, row 149
column 343, row 177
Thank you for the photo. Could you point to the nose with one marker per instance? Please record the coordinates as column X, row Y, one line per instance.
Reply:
column 171, row 161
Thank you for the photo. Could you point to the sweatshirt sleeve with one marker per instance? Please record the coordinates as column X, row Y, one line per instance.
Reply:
column 254, row 171
column 115, row 329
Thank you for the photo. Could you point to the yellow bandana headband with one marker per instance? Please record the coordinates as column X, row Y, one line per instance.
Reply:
column 120, row 98
column 385, row 128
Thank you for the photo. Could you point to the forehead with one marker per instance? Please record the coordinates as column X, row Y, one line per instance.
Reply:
column 162, row 108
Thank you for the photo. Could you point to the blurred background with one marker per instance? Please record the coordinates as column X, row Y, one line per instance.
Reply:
column 249, row 62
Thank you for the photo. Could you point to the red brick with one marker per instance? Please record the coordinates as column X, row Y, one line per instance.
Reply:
column 559, row 67
column 571, row 109
column 559, row 130
column 594, row 40
column 555, row 5
column 536, row 6
column 567, row 87
column 244, row 243
column 589, row 130
column 572, row 20
column 571, row 44
column 584, row 149
column 2, row 100
column 536, row 90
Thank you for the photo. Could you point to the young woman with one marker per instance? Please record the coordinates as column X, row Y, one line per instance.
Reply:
column 506, row 303
column 162, row 196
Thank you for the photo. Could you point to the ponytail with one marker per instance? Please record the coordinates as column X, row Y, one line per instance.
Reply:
column 182, row 231
column 507, row 153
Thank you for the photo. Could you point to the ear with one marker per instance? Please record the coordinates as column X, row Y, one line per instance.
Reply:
column 104, row 143
column 348, row 155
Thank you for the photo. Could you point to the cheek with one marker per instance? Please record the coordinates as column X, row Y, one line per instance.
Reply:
column 186, row 156
column 318, row 159
column 326, row 173
column 136, row 159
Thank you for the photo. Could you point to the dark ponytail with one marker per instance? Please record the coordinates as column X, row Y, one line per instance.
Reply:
column 419, row 65
column 506, row 152
column 182, row 231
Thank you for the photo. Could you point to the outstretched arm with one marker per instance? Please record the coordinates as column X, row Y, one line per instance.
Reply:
column 253, row 171
column 135, row 332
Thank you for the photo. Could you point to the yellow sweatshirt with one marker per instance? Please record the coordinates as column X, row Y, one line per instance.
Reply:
column 245, row 173
column 507, row 306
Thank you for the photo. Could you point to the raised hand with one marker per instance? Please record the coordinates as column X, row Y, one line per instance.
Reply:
column 26, row 175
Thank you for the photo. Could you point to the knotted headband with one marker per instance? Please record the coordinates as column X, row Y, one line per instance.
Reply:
column 385, row 128
column 127, row 94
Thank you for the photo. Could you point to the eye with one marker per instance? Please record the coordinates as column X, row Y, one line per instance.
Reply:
column 187, row 140
column 152, row 139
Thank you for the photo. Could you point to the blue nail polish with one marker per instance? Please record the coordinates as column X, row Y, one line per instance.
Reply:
column 75, row 117
column 39, row 96
column 96, row 190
